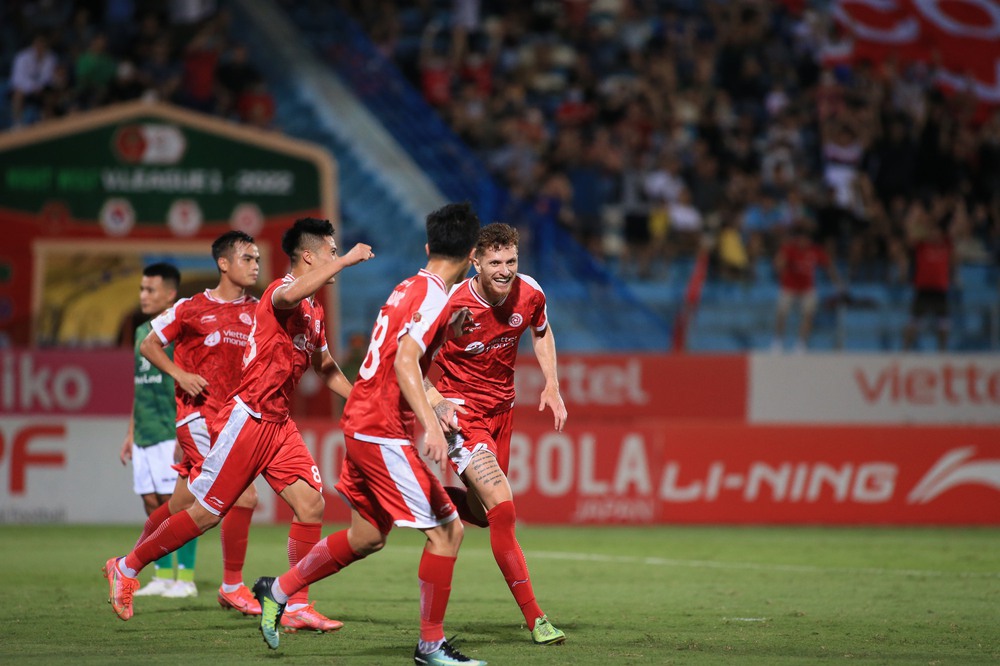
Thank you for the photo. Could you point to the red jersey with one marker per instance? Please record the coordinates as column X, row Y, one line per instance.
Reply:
column 209, row 337
column 279, row 350
column 799, row 273
column 376, row 410
column 479, row 366
column 933, row 265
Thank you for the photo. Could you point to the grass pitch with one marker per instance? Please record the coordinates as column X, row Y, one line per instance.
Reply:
column 677, row 595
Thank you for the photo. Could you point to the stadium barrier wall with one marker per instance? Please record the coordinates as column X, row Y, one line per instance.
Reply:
column 811, row 439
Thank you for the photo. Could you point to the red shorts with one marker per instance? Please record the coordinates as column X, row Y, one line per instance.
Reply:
column 476, row 433
column 389, row 484
column 245, row 448
column 195, row 442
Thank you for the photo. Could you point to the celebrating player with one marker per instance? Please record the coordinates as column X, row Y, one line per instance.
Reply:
column 477, row 383
column 209, row 333
column 383, row 477
column 256, row 435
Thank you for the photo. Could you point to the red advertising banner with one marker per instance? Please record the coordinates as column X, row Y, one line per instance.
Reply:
column 660, row 473
column 66, row 382
column 634, row 386
column 961, row 37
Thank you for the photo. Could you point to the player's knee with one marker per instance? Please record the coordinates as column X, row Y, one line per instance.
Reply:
column 310, row 508
column 204, row 519
column 366, row 544
column 453, row 534
column 248, row 499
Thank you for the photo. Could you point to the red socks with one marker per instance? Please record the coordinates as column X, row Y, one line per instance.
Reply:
column 154, row 520
column 301, row 539
column 173, row 533
column 325, row 559
column 509, row 556
column 435, row 587
column 234, row 533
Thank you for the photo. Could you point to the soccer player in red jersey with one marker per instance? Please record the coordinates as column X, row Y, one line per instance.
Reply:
column 477, row 385
column 383, row 477
column 255, row 433
column 209, row 332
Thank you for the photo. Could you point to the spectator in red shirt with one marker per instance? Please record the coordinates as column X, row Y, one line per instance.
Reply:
column 796, row 263
column 933, row 258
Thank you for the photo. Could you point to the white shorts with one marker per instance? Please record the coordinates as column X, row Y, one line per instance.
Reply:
column 807, row 299
column 152, row 470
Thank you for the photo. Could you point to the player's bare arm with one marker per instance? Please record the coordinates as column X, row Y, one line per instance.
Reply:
column 323, row 265
column 334, row 378
column 544, row 344
column 126, row 453
column 189, row 382
column 411, row 385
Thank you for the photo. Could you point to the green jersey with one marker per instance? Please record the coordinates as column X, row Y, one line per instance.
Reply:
column 154, row 410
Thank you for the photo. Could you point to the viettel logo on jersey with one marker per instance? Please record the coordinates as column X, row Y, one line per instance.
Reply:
column 149, row 143
column 955, row 469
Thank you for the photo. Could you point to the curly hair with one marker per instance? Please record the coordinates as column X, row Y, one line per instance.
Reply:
column 495, row 236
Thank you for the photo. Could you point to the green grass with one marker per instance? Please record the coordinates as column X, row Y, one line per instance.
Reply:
column 688, row 595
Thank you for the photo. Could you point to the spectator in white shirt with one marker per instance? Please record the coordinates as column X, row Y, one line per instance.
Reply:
column 31, row 78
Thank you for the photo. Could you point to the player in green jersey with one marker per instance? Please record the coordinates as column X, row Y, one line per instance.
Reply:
column 152, row 436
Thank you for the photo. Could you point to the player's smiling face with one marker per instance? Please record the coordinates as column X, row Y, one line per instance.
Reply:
column 497, row 268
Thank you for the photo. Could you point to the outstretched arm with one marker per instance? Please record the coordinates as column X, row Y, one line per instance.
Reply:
column 152, row 348
column 287, row 296
column 544, row 344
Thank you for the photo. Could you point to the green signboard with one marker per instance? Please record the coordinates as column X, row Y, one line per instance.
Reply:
column 150, row 164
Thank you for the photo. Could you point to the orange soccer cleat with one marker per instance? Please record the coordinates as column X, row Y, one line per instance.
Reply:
column 120, row 588
column 241, row 600
column 307, row 618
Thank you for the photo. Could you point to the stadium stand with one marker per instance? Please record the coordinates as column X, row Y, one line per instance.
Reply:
column 623, row 137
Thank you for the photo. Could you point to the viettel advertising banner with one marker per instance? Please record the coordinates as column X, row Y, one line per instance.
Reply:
column 629, row 386
column 875, row 388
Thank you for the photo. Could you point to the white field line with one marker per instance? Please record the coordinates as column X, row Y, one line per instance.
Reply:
column 754, row 566
column 736, row 566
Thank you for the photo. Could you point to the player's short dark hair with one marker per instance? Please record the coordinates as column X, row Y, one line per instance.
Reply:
column 306, row 230
column 168, row 272
column 452, row 231
column 495, row 236
column 225, row 244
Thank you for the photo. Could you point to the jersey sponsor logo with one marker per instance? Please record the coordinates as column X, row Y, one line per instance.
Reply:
column 213, row 339
column 238, row 338
column 301, row 342
column 316, row 327
column 475, row 348
column 144, row 364
column 955, row 469
column 149, row 379
column 515, row 320
column 246, row 318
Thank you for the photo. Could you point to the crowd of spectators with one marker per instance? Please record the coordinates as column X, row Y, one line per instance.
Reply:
column 79, row 55
column 652, row 127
